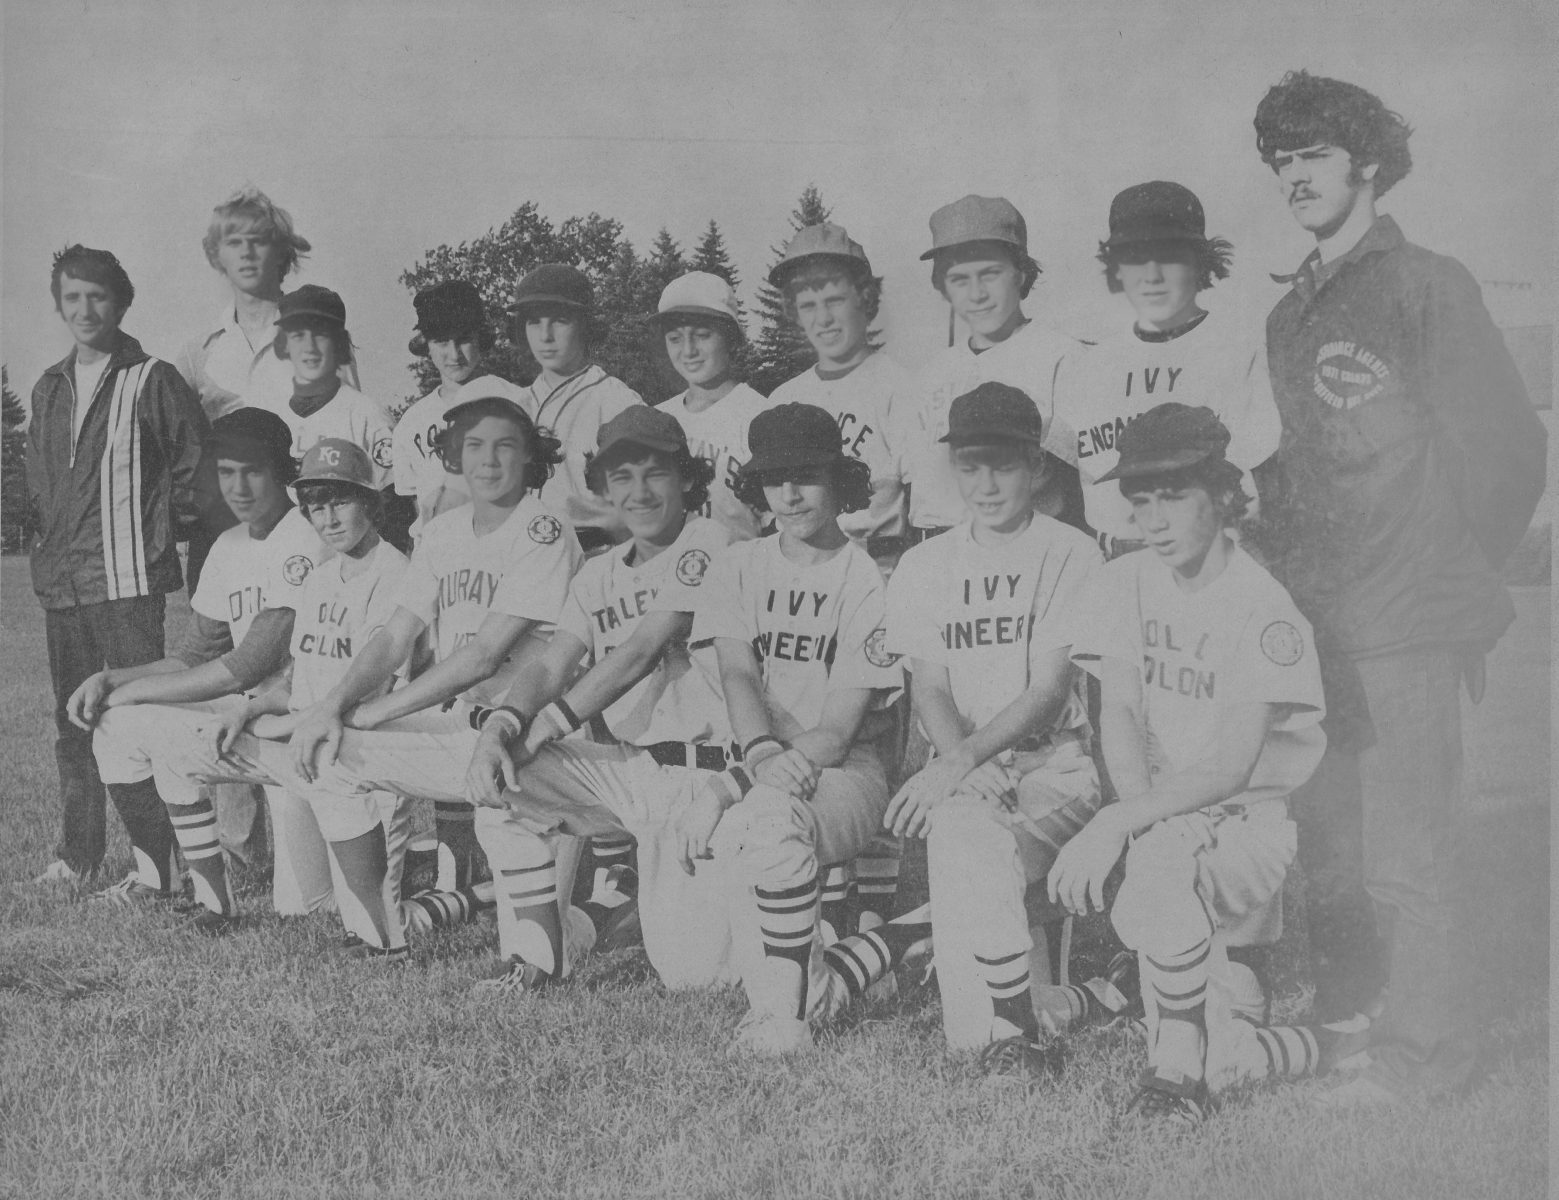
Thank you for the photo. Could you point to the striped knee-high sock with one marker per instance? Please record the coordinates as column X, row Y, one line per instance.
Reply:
column 1176, row 986
column 531, row 897
column 788, row 919
column 433, row 909
column 458, row 852
column 1292, row 1051
column 864, row 958
column 834, row 911
column 876, row 887
column 1007, row 981
column 609, row 852
column 195, row 826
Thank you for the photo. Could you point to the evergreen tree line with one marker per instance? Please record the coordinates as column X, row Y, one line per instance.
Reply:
column 18, row 522
column 627, row 288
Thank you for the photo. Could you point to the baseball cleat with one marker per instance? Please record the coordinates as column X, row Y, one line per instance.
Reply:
column 1161, row 1100
column 614, row 909
column 130, row 892
column 213, row 924
column 770, row 1036
column 58, row 873
column 518, row 978
column 384, row 956
column 1344, row 1045
column 1022, row 1057
column 350, row 941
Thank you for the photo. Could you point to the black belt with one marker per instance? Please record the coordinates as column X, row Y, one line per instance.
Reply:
column 920, row 533
column 699, row 756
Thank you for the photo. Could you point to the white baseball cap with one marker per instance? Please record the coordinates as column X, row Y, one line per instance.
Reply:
column 699, row 293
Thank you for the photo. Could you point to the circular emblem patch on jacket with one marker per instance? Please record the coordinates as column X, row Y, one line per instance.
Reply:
column 877, row 649
column 1348, row 375
column 296, row 569
column 544, row 529
column 1282, row 643
column 691, row 567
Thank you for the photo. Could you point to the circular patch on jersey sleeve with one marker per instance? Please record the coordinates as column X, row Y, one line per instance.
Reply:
column 877, row 649
column 691, row 567
column 384, row 453
column 296, row 569
column 544, row 530
column 1282, row 643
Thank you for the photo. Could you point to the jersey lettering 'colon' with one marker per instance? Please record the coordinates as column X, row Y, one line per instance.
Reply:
column 1175, row 674
column 244, row 601
column 467, row 586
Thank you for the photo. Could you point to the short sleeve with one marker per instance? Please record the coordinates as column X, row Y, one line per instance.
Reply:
column 210, row 598
column 682, row 588
column 722, row 611
column 378, row 440
column 911, row 630
column 417, row 591
column 535, row 583
column 1275, row 661
column 1105, row 623
column 622, row 397
column 1062, row 599
column 574, row 620
column 290, row 565
column 1256, row 429
column 861, row 657
column 405, row 458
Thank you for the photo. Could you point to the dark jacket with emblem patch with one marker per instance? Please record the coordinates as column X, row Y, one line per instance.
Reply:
column 1411, row 459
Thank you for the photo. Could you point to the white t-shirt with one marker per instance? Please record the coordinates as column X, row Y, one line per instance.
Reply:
column 1101, row 390
column 574, row 411
column 815, row 629
column 988, row 613
column 718, row 434
column 88, row 376
column 676, row 702
column 521, row 569
column 1238, row 640
column 1027, row 360
column 336, row 617
column 244, row 575
column 870, row 403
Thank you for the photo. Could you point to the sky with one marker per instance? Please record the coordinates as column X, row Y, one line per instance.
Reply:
column 387, row 128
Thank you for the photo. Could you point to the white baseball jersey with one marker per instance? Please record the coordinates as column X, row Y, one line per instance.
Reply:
column 1027, row 360
column 1238, row 640
column 337, row 616
column 870, row 402
column 456, row 577
column 815, row 628
column 349, row 415
column 987, row 613
column 574, row 411
column 676, row 702
column 1103, row 389
column 244, row 575
column 718, row 434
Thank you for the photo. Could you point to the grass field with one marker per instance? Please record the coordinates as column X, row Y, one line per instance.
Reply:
column 268, row 1065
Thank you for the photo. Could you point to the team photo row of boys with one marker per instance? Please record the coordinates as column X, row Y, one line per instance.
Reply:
column 1134, row 628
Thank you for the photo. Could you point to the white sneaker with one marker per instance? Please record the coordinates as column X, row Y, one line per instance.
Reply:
column 59, row 872
column 771, row 1036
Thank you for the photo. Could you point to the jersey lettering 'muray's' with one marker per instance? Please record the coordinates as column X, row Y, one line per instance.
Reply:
column 1169, row 669
column 468, row 586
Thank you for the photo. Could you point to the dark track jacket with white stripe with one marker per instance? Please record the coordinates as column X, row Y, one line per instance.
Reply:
column 112, row 502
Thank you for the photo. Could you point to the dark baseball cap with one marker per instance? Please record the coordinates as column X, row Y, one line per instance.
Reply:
column 1158, row 211
column 991, row 414
column 826, row 240
column 336, row 460
column 1170, row 437
column 639, row 425
column 449, row 309
column 977, row 219
column 554, row 284
column 250, row 435
column 789, row 436
column 311, row 300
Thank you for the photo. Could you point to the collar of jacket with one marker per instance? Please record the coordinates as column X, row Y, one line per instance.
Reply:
column 126, row 351
column 1380, row 237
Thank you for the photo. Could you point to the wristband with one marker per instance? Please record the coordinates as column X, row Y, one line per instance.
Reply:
column 561, row 715
column 763, row 739
column 740, row 780
column 507, row 718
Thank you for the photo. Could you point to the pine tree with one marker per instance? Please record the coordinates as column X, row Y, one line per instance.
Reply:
column 712, row 256
column 18, row 524
column 664, row 264
column 12, row 413
column 782, row 351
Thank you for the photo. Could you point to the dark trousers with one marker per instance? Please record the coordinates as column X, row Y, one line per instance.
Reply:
column 81, row 642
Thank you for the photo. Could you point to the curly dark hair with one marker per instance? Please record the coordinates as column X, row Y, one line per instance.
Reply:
column 323, row 491
column 821, row 270
column 981, row 252
column 546, row 451
column 695, row 472
column 93, row 266
column 1310, row 110
column 1214, row 256
column 339, row 337
column 850, row 479
column 1218, row 477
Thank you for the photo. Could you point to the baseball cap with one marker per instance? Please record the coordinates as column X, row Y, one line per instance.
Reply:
column 818, row 241
column 311, row 300
column 701, row 294
column 977, row 219
column 336, row 460
column 640, row 425
column 1168, row 437
column 556, row 284
column 448, row 309
column 1158, row 211
column 792, row 435
column 250, row 435
column 991, row 414
column 466, row 402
